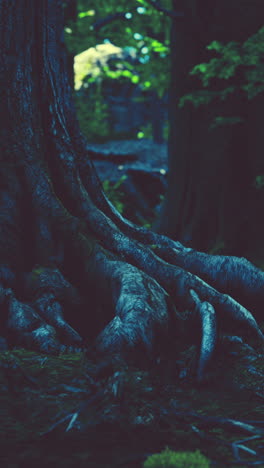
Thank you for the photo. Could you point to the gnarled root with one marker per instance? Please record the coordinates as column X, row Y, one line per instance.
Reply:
column 112, row 280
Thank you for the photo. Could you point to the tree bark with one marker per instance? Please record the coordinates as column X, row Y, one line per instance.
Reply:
column 73, row 271
column 212, row 200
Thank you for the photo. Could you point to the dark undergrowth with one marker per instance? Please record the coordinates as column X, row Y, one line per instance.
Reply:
column 69, row 411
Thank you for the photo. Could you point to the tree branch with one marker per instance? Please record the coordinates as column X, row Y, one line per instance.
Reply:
column 108, row 19
column 170, row 13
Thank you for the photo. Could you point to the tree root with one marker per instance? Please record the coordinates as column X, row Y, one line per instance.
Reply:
column 128, row 276
column 209, row 333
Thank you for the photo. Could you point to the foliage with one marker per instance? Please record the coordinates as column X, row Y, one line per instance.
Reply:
column 93, row 115
column 240, row 66
column 140, row 29
column 145, row 132
column 220, row 121
column 171, row 459
column 114, row 194
column 259, row 182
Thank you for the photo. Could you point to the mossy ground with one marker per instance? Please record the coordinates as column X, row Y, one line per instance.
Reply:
column 36, row 391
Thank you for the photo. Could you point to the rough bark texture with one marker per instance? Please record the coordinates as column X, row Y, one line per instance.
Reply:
column 73, row 271
column 212, row 172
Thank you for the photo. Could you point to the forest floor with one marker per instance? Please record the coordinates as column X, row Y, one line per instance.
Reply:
column 59, row 411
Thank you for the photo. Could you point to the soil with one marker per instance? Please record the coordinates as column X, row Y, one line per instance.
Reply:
column 61, row 411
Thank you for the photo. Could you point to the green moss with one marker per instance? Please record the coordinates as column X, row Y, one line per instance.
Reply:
column 170, row 459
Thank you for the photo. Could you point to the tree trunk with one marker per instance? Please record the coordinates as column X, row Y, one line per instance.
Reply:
column 212, row 200
column 73, row 271
column 70, row 11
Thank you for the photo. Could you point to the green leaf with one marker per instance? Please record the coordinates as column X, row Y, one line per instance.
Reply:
column 201, row 68
column 135, row 79
column 259, row 182
column 215, row 45
column 147, row 84
column 83, row 14
column 221, row 121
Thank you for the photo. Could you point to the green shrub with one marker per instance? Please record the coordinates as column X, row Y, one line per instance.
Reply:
column 236, row 68
column 170, row 459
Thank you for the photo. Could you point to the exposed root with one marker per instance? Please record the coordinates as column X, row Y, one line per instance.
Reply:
column 209, row 333
column 141, row 309
column 26, row 328
column 228, row 274
column 136, row 270
column 175, row 280
column 51, row 311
